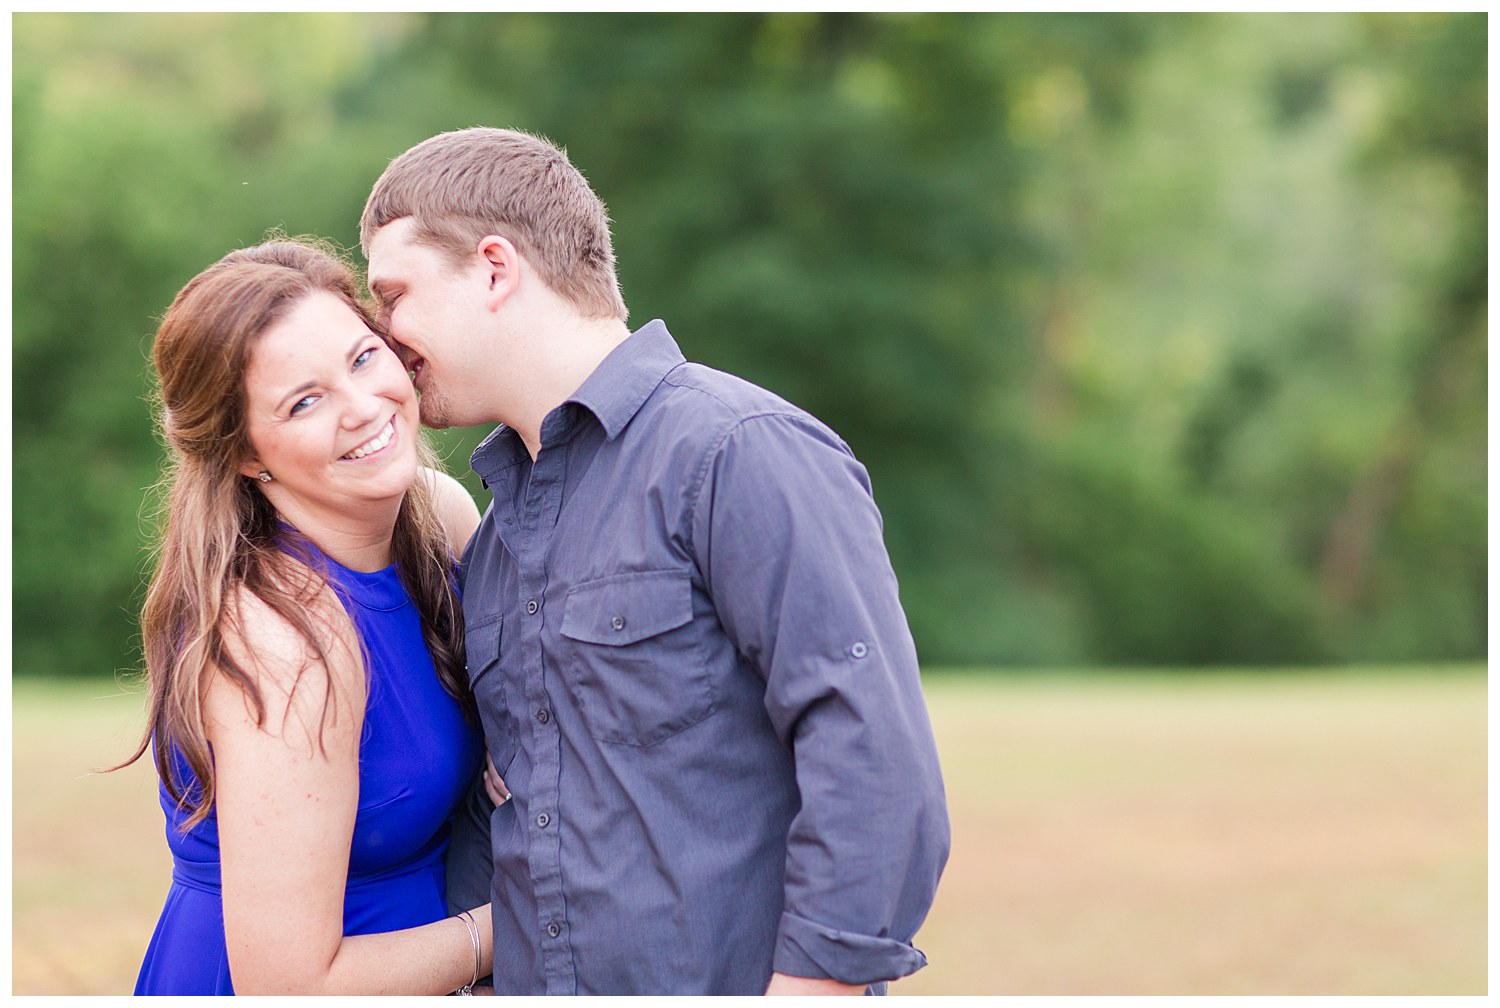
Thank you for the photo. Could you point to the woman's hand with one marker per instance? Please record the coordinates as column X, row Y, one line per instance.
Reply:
column 494, row 784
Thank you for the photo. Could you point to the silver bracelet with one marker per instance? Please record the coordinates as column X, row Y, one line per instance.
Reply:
column 473, row 929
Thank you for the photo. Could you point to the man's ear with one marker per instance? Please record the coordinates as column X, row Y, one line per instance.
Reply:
column 502, row 263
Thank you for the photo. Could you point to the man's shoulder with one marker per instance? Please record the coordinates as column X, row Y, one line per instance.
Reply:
column 715, row 400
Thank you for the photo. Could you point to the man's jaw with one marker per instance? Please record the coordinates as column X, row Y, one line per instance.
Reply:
column 430, row 413
column 430, row 407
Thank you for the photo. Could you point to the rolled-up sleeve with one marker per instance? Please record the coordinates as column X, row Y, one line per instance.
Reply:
column 788, row 537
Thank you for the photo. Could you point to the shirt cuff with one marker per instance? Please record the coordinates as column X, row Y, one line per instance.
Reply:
column 806, row 949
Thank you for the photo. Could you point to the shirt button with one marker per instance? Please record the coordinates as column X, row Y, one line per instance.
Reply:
column 554, row 929
column 543, row 819
column 531, row 607
column 543, row 716
column 859, row 649
column 618, row 622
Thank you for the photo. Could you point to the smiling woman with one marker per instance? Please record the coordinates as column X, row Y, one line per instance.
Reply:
column 331, row 416
column 306, row 569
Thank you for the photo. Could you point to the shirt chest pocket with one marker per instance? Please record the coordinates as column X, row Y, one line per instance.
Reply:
column 631, row 656
column 482, row 647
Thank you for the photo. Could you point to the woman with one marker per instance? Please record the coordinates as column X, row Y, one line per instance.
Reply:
column 309, row 710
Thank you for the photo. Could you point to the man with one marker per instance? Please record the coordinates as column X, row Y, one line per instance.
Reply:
column 683, row 630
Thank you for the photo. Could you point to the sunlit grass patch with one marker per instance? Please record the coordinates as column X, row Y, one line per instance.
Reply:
column 1308, row 832
column 1258, row 832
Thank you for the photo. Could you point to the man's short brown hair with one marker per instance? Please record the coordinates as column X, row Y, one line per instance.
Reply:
column 458, row 187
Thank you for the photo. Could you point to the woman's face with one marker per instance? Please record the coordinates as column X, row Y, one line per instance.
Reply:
column 331, row 415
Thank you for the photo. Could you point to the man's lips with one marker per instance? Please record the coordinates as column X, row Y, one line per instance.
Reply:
column 414, row 364
column 409, row 358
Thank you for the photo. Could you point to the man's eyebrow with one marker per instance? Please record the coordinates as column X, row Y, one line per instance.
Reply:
column 381, row 287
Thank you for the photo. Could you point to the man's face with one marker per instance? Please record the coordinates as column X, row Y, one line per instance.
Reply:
column 429, row 308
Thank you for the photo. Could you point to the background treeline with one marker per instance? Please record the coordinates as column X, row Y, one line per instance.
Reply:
column 1162, row 336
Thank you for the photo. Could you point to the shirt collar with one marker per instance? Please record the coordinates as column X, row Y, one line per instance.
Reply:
column 500, row 449
column 614, row 393
column 624, row 380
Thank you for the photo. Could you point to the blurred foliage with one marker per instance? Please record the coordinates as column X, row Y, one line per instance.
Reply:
column 1162, row 336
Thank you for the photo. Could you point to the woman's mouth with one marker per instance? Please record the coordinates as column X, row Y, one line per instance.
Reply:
column 376, row 443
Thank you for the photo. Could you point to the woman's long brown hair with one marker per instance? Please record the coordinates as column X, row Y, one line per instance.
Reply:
column 221, row 538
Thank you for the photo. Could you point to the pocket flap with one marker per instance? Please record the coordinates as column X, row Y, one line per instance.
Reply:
column 626, row 608
column 482, row 643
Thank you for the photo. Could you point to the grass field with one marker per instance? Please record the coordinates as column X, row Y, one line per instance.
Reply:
column 1114, row 833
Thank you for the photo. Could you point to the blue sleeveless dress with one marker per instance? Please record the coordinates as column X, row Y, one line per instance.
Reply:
column 417, row 757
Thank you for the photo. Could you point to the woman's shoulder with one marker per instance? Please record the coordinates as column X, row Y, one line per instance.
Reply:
column 291, row 645
column 454, row 507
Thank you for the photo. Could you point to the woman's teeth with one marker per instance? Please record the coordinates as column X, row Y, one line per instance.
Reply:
column 376, row 443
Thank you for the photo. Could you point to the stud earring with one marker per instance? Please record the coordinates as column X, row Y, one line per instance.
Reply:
column 264, row 476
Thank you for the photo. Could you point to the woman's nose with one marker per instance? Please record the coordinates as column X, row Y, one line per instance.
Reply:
column 365, row 407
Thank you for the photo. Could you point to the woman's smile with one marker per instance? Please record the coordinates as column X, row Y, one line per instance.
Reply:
column 376, row 443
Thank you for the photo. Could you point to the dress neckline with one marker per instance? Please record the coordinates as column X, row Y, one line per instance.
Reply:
column 380, row 590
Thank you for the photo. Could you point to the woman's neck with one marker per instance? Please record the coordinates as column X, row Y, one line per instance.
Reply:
column 359, row 542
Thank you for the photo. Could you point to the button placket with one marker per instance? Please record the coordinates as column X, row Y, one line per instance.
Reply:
column 543, row 500
column 526, row 532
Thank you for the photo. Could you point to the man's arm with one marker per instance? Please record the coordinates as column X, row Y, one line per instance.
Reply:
column 470, row 864
column 789, row 540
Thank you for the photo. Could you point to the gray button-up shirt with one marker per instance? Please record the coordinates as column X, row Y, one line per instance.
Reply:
column 695, row 675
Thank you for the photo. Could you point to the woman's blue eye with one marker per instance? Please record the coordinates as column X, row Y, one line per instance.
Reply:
column 364, row 358
column 302, row 404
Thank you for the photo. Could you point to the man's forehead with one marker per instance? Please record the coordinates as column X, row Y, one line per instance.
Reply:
column 386, row 248
column 381, row 275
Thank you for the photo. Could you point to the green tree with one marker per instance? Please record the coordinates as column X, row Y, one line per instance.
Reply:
column 1161, row 335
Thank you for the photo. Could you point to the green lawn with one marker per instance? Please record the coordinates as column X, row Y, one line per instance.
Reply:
column 1320, row 832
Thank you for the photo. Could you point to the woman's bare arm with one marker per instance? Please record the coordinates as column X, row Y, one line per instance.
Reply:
column 287, row 794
